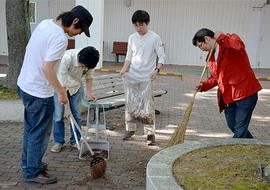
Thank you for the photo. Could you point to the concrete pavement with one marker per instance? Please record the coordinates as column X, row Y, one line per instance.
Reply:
column 128, row 159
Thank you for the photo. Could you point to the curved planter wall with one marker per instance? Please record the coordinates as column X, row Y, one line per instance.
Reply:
column 159, row 169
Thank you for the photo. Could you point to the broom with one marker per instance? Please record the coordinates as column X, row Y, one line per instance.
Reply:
column 179, row 134
column 98, row 164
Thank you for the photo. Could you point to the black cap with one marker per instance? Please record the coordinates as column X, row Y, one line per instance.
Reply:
column 84, row 16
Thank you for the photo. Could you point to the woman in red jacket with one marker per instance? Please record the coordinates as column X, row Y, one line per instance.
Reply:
column 231, row 71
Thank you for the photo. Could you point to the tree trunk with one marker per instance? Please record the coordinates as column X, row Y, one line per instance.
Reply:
column 18, row 34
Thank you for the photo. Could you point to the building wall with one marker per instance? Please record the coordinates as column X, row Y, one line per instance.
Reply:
column 42, row 12
column 176, row 21
column 50, row 9
column 56, row 7
column 263, row 58
column 59, row 6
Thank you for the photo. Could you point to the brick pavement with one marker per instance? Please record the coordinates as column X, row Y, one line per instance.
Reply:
column 128, row 159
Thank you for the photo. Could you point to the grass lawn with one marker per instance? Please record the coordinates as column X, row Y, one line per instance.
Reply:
column 222, row 167
column 7, row 94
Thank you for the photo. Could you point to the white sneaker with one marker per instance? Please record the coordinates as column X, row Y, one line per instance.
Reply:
column 57, row 147
column 75, row 146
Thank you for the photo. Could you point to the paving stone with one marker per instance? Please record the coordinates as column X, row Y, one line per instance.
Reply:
column 128, row 159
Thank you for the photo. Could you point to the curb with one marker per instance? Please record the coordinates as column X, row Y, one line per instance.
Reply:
column 118, row 71
column 11, row 110
column 167, row 74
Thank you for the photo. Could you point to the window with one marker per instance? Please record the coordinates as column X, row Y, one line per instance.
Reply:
column 32, row 12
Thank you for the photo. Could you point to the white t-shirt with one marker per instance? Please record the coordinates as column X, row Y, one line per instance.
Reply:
column 47, row 43
column 70, row 73
column 143, row 52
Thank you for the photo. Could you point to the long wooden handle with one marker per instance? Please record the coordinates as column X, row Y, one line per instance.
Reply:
column 205, row 68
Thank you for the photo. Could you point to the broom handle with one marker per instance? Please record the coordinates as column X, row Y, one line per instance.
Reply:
column 75, row 135
column 204, row 68
column 73, row 129
column 80, row 131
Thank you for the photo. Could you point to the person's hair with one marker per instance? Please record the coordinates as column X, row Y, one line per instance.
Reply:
column 89, row 56
column 199, row 36
column 67, row 19
column 140, row 16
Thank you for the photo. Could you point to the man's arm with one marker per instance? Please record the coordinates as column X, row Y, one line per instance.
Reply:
column 49, row 72
column 89, row 83
column 210, row 83
column 124, row 68
column 156, row 71
column 128, row 58
column 206, row 85
column 161, row 57
column 160, row 51
column 231, row 41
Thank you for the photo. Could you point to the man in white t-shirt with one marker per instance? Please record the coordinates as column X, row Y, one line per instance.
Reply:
column 75, row 64
column 144, row 47
column 36, row 84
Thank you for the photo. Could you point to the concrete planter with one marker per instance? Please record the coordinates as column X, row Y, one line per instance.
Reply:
column 159, row 169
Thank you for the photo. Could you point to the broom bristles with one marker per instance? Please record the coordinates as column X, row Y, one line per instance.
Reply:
column 178, row 135
column 98, row 169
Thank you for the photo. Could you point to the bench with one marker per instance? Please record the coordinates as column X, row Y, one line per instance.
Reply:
column 119, row 48
column 109, row 90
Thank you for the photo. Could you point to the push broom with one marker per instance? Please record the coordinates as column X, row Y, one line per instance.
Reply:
column 98, row 164
column 178, row 136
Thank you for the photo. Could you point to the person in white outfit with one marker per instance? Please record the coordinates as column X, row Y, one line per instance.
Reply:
column 144, row 47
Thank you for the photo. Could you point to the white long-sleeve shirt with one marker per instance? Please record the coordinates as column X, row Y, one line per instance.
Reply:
column 143, row 52
column 70, row 74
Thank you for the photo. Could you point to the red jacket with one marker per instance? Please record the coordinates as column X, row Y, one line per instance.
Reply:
column 233, row 74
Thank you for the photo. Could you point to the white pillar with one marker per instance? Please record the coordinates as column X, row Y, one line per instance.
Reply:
column 254, row 35
column 96, row 8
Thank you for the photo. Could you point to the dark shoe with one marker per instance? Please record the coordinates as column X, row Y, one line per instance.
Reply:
column 110, row 127
column 128, row 135
column 151, row 139
column 44, row 165
column 83, row 122
column 43, row 178
column 157, row 112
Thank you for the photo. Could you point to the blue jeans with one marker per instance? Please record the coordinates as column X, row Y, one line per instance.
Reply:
column 238, row 116
column 38, row 115
column 75, row 102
